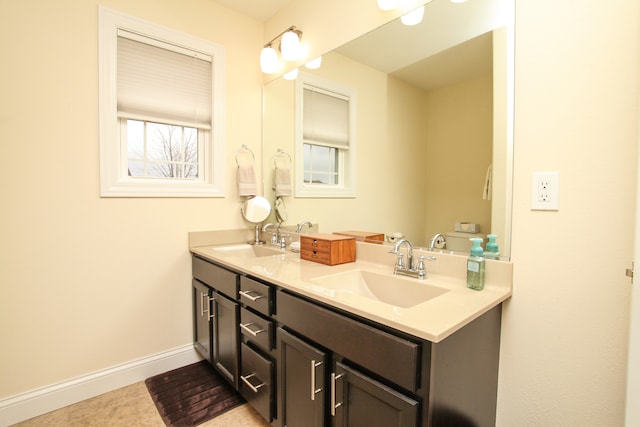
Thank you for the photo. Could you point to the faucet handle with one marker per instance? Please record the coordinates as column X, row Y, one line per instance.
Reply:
column 400, row 260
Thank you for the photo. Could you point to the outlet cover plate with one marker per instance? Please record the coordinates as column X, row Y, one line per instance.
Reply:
column 545, row 191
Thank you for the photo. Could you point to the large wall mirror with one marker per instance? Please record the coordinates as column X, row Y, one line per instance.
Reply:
column 433, row 126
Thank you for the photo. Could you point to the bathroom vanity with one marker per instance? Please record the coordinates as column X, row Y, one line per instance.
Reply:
column 305, row 352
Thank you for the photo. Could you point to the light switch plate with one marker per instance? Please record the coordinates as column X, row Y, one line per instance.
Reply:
column 545, row 191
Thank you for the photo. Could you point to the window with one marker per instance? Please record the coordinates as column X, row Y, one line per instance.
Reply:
column 325, row 138
column 161, row 98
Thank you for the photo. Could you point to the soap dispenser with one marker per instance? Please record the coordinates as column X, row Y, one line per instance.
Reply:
column 475, row 266
column 492, row 251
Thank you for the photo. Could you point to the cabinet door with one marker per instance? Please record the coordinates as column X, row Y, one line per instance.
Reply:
column 225, row 337
column 357, row 400
column 301, row 382
column 202, row 319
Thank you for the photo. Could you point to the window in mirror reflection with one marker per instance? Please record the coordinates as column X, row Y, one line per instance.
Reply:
column 325, row 138
column 320, row 164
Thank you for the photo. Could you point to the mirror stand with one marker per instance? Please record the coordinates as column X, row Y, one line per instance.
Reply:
column 255, row 210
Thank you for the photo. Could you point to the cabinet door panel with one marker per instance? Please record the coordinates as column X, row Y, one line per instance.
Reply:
column 362, row 401
column 225, row 337
column 301, row 384
column 202, row 320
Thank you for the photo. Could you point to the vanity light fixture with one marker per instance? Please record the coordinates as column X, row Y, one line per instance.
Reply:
column 414, row 17
column 289, row 48
column 387, row 4
column 291, row 75
column 314, row 64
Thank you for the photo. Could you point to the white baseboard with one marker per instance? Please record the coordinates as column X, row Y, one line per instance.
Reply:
column 40, row 401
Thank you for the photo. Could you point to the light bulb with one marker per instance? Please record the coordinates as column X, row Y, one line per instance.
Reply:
column 414, row 17
column 290, row 46
column 269, row 60
column 314, row 64
column 291, row 75
column 387, row 4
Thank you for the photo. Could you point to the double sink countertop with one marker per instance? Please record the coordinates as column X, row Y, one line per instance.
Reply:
column 431, row 309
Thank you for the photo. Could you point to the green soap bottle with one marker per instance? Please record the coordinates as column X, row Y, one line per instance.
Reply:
column 475, row 266
column 492, row 251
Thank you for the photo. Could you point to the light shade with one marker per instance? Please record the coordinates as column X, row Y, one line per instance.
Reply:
column 290, row 46
column 269, row 60
column 387, row 4
column 414, row 17
column 291, row 75
column 314, row 64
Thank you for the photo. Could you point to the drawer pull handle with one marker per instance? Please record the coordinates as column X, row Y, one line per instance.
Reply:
column 247, row 294
column 245, row 327
column 205, row 300
column 334, row 405
column 253, row 388
column 314, row 390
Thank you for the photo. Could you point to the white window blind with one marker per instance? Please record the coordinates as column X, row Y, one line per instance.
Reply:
column 161, row 82
column 325, row 118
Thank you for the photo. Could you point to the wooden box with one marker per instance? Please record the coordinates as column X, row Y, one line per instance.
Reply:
column 363, row 236
column 330, row 249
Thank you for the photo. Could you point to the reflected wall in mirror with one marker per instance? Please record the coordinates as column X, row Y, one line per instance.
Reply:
column 433, row 116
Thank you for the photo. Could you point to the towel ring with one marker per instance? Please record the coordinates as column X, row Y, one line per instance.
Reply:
column 244, row 148
column 282, row 154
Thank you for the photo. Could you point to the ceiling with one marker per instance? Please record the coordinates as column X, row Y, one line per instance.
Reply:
column 261, row 10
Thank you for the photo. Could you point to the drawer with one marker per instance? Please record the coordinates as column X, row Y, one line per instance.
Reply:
column 317, row 245
column 219, row 278
column 311, row 255
column 392, row 357
column 256, row 381
column 257, row 329
column 256, row 295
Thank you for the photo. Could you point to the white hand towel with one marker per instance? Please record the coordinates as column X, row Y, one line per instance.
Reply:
column 486, row 191
column 283, row 182
column 247, row 181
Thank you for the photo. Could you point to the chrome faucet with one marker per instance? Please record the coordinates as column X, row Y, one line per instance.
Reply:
column 437, row 238
column 302, row 224
column 275, row 235
column 408, row 269
column 277, row 238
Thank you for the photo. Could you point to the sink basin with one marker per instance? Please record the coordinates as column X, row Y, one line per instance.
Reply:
column 248, row 250
column 386, row 288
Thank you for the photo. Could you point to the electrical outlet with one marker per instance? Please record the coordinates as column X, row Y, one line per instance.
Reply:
column 545, row 191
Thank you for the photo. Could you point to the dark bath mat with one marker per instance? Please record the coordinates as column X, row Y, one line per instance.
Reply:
column 191, row 395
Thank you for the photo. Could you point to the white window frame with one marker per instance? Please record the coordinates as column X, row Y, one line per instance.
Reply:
column 114, row 180
column 347, row 158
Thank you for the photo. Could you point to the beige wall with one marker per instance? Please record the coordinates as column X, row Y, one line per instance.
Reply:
column 87, row 283
column 458, row 131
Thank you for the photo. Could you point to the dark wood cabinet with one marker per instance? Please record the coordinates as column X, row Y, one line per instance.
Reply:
column 202, row 319
column 226, row 317
column 358, row 400
column 302, row 363
column 301, row 382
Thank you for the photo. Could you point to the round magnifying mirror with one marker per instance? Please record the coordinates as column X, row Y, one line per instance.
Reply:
column 256, row 209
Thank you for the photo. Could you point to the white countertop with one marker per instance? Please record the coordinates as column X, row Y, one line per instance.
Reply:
column 432, row 320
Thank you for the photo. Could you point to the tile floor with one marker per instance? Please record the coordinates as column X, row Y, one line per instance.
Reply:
column 132, row 406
